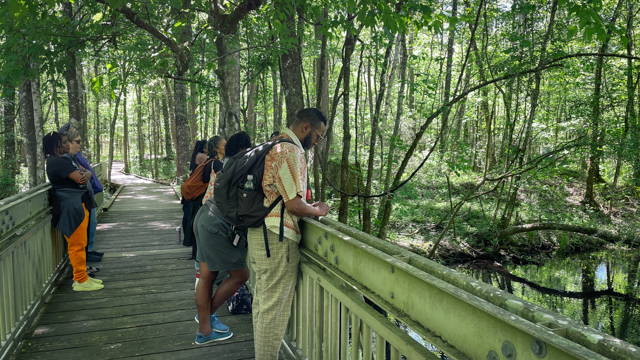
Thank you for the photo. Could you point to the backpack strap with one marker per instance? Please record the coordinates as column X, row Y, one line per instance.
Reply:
column 264, row 225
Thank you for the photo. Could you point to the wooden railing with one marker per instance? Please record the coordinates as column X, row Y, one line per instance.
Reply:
column 32, row 257
column 359, row 297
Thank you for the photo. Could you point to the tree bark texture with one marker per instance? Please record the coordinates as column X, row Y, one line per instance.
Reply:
column 10, row 160
column 291, row 69
column 251, row 113
column 447, row 78
column 345, row 168
column 597, row 133
column 28, row 131
column 167, row 127
column 112, row 134
column 73, row 87
column 229, row 79
column 172, row 113
column 193, row 121
column 366, row 204
column 125, row 131
column 139, row 127
column 386, row 204
column 38, row 126
column 183, row 148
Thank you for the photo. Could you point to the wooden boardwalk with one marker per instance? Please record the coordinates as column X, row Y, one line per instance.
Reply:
column 146, row 309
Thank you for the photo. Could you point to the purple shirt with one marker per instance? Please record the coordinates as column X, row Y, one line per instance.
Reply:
column 95, row 183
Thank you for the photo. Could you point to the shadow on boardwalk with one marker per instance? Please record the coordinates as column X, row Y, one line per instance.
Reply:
column 146, row 309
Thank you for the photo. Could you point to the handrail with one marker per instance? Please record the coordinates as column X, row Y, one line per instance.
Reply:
column 32, row 258
column 452, row 312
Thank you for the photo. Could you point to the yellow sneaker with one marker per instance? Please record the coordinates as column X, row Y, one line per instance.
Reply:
column 97, row 281
column 86, row 286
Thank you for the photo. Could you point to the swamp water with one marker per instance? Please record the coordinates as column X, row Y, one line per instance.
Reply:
column 601, row 290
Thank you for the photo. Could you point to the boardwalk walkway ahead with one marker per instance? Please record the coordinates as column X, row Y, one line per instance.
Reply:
column 146, row 309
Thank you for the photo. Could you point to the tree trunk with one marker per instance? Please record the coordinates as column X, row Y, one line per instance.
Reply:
column 345, row 168
column 28, row 131
column 322, row 101
column 630, row 110
column 251, row 105
column 193, row 121
column 385, row 206
column 156, row 132
column 172, row 114
column 291, row 68
column 511, row 203
column 97, row 130
column 277, row 107
column 56, row 113
column 183, row 148
column 597, row 134
column 206, row 118
column 167, row 127
column 366, row 206
column 38, row 126
column 125, row 130
column 73, row 88
column 229, row 78
column 447, row 77
column 112, row 133
column 139, row 128
column 10, row 160
column 82, row 100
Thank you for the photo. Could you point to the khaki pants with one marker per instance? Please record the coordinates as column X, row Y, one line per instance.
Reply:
column 276, row 278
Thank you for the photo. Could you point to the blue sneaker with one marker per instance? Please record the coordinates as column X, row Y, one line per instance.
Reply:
column 215, row 323
column 214, row 336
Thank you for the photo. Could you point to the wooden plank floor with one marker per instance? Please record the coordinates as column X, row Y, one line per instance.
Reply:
column 146, row 309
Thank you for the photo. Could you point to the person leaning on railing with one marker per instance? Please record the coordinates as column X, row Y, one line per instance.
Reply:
column 70, row 201
column 75, row 142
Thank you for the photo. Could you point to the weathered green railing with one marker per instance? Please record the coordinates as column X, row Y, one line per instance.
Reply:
column 460, row 316
column 32, row 257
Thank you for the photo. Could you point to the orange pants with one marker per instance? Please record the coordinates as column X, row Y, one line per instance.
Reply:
column 76, row 244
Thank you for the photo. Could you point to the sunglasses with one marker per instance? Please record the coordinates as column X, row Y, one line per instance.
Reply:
column 77, row 141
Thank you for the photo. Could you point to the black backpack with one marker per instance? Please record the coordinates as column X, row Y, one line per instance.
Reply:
column 241, row 208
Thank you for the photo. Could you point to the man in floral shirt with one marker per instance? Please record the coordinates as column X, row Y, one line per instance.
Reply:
column 285, row 174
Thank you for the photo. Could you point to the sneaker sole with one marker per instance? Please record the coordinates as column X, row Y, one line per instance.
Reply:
column 89, row 289
column 214, row 340
column 218, row 331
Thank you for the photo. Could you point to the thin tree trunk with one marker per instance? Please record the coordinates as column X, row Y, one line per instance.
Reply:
column 251, row 105
column 447, row 78
column 38, row 125
column 193, row 121
column 73, row 88
column 277, row 107
column 366, row 206
column 597, row 134
column 345, row 168
column 385, row 206
column 139, row 127
column 154, row 118
column 125, row 130
column 112, row 130
column 206, row 117
column 172, row 114
column 167, row 127
column 56, row 113
column 82, row 100
column 10, row 160
column 28, row 131
column 511, row 203
column 322, row 102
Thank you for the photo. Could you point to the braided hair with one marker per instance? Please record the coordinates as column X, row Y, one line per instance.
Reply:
column 51, row 142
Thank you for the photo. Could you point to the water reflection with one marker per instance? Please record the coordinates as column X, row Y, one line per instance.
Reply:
column 601, row 290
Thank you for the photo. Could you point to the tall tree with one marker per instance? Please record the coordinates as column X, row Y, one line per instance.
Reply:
column 10, row 159
column 28, row 131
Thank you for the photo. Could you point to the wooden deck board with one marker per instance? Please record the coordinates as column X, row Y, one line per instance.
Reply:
column 146, row 309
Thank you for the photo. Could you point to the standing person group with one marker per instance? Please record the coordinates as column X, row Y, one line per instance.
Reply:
column 72, row 198
column 273, row 248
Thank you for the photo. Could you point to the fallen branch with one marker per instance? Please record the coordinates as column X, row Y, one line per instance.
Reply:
column 606, row 235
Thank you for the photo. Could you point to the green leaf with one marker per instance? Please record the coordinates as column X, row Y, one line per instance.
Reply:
column 98, row 17
column 588, row 32
column 177, row 24
column 114, row 4
column 525, row 43
column 571, row 32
